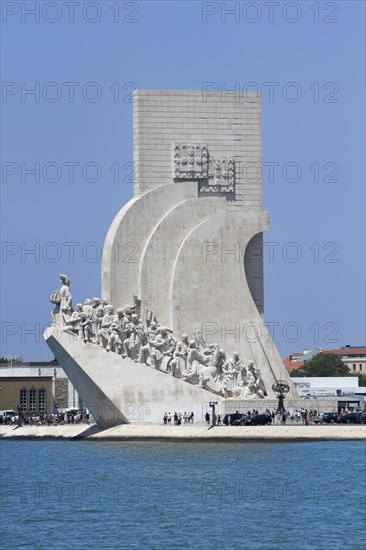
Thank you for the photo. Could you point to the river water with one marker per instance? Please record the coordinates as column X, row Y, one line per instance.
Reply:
column 120, row 495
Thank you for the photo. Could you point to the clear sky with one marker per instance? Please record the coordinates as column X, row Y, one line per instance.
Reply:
column 83, row 60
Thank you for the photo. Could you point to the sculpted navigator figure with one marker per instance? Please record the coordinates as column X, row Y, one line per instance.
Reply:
column 149, row 338
column 195, row 363
column 63, row 300
column 134, row 340
column 118, row 334
column 178, row 365
column 99, row 314
column 115, row 342
column 74, row 323
column 65, row 295
column 105, row 327
column 94, row 318
column 87, row 320
column 163, row 346
column 254, row 384
column 210, row 376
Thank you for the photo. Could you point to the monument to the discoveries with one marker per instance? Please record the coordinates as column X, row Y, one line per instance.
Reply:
column 181, row 320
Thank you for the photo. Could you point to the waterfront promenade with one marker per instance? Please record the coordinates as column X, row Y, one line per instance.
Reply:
column 195, row 432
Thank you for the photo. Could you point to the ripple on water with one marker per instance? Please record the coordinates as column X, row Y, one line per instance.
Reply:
column 67, row 495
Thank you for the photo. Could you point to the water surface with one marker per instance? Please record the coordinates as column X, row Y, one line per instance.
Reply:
column 77, row 494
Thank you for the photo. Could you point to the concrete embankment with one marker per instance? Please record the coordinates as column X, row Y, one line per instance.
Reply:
column 198, row 432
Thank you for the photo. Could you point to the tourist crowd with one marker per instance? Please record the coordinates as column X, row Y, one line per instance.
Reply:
column 177, row 419
column 50, row 419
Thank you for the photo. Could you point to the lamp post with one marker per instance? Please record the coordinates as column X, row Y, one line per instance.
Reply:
column 213, row 414
column 280, row 389
column 19, row 416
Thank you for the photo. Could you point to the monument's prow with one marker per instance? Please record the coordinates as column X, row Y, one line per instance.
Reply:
column 193, row 270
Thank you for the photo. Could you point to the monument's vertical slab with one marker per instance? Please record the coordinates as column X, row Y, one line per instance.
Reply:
column 206, row 143
column 229, row 124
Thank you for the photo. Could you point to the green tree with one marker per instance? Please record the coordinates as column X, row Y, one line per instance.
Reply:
column 322, row 364
column 14, row 359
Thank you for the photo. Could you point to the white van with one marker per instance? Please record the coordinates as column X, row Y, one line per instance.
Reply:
column 8, row 412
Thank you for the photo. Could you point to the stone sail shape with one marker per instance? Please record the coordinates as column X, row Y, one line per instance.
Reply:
column 187, row 234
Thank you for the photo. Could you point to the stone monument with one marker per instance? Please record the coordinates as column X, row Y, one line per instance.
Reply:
column 181, row 319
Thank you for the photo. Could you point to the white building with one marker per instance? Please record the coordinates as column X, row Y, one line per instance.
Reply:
column 345, row 387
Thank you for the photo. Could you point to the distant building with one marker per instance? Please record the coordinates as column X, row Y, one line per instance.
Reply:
column 38, row 387
column 346, row 388
column 353, row 356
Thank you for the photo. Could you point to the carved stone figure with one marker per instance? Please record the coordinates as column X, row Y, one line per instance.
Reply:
column 94, row 318
column 139, row 328
column 239, row 376
column 105, row 327
column 195, row 364
column 210, row 375
column 163, row 346
column 254, row 386
column 233, row 372
column 86, row 321
column 119, row 331
column 147, row 347
column 74, row 323
column 178, row 365
column 115, row 342
column 98, row 314
column 133, row 342
column 63, row 300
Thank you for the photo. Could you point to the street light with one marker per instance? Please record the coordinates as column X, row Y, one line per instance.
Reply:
column 213, row 414
column 19, row 416
column 281, row 389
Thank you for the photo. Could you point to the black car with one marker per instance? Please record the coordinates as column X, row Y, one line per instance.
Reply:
column 363, row 417
column 256, row 420
column 241, row 421
column 230, row 419
column 349, row 418
column 330, row 418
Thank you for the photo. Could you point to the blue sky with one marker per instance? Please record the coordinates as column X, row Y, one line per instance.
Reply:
column 317, row 197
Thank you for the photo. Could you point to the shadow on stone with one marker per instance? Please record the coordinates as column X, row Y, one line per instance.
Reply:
column 91, row 430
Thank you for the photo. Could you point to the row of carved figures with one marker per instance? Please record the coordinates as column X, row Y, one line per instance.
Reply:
column 123, row 332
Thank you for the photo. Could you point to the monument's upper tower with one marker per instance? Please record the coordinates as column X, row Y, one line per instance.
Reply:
column 223, row 131
column 197, row 156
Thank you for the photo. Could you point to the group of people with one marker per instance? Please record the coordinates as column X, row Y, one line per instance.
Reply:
column 177, row 418
column 123, row 332
column 299, row 415
column 208, row 419
column 47, row 419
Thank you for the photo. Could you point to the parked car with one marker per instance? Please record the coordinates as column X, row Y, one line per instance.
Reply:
column 241, row 421
column 7, row 415
column 229, row 419
column 330, row 418
column 8, row 412
column 256, row 420
column 349, row 418
column 363, row 417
